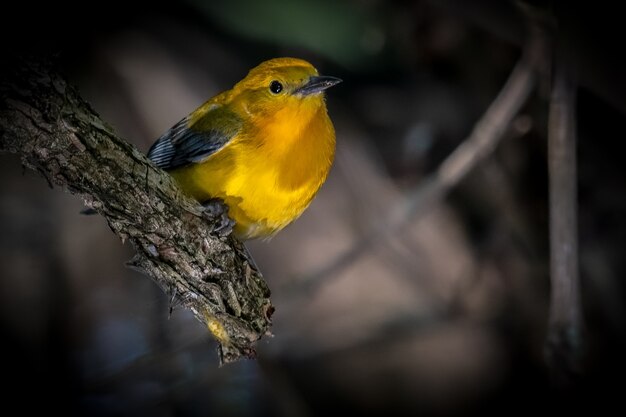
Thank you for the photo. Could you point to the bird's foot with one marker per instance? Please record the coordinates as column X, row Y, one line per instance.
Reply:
column 216, row 211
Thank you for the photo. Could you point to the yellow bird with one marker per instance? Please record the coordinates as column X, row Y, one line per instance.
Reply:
column 265, row 147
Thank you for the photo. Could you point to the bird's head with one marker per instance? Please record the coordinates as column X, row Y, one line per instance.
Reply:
column 283, row 83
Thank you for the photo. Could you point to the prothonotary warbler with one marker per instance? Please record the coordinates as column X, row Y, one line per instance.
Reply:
column 265, row 147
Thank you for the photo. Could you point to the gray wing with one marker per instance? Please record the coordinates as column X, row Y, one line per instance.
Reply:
column 184, row 144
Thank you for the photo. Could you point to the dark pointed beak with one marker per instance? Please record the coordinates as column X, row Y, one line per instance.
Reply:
column 317, row 84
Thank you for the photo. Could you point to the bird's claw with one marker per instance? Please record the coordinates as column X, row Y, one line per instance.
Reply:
column 216, row 211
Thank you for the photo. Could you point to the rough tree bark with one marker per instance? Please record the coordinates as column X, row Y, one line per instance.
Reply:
column 55, row 132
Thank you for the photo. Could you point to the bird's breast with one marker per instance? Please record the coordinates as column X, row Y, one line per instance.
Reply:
column 280, row 175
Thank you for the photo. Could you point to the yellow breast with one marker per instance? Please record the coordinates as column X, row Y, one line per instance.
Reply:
column 269, row 173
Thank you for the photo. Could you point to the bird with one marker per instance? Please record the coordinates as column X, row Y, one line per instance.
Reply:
column 264, row 147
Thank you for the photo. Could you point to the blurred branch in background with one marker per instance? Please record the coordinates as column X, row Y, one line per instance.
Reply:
column 56, row 133
column 565, row 344
column 487, row 132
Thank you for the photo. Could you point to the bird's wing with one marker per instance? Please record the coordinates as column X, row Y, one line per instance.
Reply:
column 186, row 143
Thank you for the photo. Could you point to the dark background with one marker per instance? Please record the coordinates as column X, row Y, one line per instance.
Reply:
column 446, row 318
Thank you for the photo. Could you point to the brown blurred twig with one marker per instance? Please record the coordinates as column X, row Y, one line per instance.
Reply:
column 564, row 345
column 482, row 141
column 55, row 132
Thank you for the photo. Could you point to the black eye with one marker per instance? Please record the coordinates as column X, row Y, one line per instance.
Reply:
column 276, row 87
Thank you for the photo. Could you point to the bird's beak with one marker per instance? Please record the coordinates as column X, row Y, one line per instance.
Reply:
column 317, row 84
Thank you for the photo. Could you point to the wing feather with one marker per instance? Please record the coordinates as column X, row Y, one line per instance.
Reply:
column 186, row 143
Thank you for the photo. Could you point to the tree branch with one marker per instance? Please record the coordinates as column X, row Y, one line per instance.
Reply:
column 55, row 132
column 564, row 345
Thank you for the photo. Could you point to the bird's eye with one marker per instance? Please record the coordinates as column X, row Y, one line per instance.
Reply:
column 276, row 87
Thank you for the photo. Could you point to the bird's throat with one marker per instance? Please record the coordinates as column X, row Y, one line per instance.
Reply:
column 300, row 143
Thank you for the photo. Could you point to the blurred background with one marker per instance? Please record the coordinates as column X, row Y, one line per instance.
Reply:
column 446, row 317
